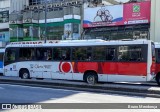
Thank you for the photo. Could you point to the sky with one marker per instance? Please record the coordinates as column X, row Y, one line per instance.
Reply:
column 122, row 0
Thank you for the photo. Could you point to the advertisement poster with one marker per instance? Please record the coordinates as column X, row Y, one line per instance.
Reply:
column 131, row 13
column 103, row 16
column 68, row 31
column 136, row 13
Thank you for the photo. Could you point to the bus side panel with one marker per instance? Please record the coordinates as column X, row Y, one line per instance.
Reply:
column 124, row 68
column 129, row 72
column 11, row 70
column 112, row 71
column 131, row 68
column 103, row 69
column 99, row 67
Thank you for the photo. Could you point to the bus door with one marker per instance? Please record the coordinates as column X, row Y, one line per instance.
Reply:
column 10, row 64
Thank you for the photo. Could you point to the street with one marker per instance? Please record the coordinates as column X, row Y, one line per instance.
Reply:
column 25, row 94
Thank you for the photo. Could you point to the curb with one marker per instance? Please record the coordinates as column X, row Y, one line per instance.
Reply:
column 120, row 88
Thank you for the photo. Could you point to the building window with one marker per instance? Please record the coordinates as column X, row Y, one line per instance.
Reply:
column 34, row 2
column 55, row 32
column 118, row 32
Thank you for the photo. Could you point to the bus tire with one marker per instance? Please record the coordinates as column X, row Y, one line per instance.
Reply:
column 158, row 79
column 24, row 74
column 91, row 78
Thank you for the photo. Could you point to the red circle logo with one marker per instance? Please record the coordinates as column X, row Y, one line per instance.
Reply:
column 65, row 67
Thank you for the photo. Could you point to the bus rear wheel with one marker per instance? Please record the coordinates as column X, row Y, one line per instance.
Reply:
column 24, row 74
column 158, row 79
column 91, row 78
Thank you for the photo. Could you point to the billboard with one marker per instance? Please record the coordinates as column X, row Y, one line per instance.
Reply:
column 130, row 13
column 136, row 13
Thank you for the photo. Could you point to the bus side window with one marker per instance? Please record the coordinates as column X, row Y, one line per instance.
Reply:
column 110, row 54
column 44, row 53
column 123, row 53
column 79, row 53
column 39, row 54
column 89, row 54
column 56, row 54
column 130, row 53
column 61, row 53
column 65, row 54
column 99, row 53
column 26, row 54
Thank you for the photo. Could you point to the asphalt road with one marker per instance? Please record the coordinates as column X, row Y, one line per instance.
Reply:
column 26, row 94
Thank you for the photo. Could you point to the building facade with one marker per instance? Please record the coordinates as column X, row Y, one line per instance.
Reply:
column 4, row 22
column 155, row 21
column 24, row 20
column 63, row 20
column 122, row 21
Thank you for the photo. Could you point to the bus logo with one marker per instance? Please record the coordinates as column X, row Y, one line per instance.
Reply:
column 65, row 67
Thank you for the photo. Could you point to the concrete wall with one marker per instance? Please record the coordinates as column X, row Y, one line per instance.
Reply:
column 155, row 21
column 4, row 4
column 17, row 5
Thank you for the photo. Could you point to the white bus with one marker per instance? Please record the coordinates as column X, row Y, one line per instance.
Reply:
column 87, row 60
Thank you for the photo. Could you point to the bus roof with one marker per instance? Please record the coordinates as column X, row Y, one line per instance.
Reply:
column 91, row 42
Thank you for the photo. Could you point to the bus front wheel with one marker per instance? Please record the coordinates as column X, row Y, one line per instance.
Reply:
column 24, row 74
column 91, row 78
column 158, row 79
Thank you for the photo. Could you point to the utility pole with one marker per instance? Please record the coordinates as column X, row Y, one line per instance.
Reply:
column 45, row 36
